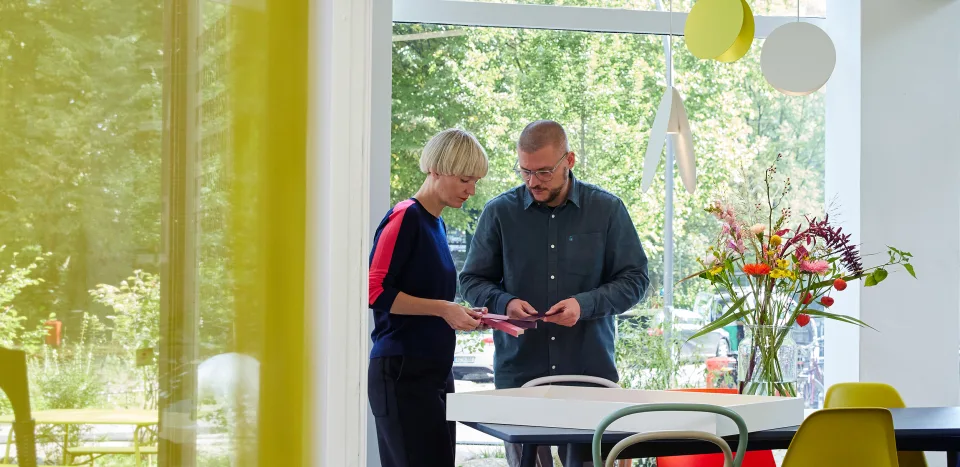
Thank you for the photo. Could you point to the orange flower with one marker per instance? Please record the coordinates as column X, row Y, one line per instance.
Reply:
column 758, row 269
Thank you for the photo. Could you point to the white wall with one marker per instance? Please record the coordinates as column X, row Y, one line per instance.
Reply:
column 842, row 349
column 910, row 194
column 893, row 116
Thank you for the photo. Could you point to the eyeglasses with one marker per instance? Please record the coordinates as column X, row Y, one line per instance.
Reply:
column 544, row 175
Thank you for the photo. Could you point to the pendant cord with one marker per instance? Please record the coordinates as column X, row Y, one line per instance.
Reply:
column 670, row 48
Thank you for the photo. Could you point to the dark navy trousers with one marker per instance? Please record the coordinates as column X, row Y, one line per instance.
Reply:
column 408, row 398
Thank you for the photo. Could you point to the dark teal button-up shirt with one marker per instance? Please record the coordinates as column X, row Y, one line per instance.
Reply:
column 586, row 248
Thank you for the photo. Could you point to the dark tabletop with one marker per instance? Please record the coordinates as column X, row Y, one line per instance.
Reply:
column 917, row 429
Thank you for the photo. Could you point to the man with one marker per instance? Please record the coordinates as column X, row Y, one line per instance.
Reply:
column 561, row 249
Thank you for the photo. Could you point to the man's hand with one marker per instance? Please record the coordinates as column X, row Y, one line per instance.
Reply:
column 565, row 313
column 519, row 309
column 460, row 317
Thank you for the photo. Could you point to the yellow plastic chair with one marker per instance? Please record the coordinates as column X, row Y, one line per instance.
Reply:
column 843, row 438
column 872, row 395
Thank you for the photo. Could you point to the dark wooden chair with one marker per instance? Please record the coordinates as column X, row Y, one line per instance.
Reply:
column 13, row 383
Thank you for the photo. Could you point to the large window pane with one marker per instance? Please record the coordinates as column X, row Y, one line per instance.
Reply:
column 131, row 225
column 605, row 88
column 80, row 215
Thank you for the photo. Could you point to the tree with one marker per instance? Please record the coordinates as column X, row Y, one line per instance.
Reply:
column 604, row 88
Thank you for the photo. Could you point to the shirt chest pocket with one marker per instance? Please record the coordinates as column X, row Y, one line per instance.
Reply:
column 582, row 254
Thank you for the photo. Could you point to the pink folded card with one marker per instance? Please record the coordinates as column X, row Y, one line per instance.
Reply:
column 512, row 326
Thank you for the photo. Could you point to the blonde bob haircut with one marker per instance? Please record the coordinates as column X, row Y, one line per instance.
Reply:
column 454, row 152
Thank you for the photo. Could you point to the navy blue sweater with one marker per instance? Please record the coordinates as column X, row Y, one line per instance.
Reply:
column 410, row 255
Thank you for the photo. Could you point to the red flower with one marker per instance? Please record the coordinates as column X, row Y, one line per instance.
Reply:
column 807, row 298
column 826, row 301
column 758, row 269
column 803, row 319
column 839, row 284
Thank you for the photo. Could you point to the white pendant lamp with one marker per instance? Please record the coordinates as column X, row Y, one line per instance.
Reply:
column 798, row 58
column 671, row 122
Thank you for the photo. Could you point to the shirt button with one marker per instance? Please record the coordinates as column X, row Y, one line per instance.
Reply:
column 553, row 367
column 553, row 216
column 551, row 277
column 553, row 338
column 553, row 246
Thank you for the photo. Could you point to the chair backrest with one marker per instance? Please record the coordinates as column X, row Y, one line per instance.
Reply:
column 572, row 379
column 13, row 383
column 882, row 395
column 671, row 407
column 762, row 458
column 655, row 435
column 844, row 437
column 862, row 395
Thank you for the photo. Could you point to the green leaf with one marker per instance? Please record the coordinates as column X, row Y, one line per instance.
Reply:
column 730, row 316
column 909, row 268
column 837, row 317
column 869, row 281
column 879, row 275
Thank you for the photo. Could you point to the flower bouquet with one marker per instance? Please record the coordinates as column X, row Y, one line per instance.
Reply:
column 777, row 272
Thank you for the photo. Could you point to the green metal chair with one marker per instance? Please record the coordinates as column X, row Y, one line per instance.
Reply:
column 730, row 461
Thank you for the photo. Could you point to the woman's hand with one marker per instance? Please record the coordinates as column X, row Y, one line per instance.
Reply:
column 460, row 317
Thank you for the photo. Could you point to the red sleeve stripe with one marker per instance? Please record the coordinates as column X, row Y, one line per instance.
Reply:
column 383, row 253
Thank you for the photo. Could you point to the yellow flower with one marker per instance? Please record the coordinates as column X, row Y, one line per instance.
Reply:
column 775, row 240
column 716, row 270
column 783, row 263
column 782, row 274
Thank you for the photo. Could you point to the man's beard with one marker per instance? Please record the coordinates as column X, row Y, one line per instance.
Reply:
column 555, row 193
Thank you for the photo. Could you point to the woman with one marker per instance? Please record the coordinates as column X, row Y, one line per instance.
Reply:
column 413, row 281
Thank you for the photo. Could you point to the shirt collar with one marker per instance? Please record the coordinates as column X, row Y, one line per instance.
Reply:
column 573, row 196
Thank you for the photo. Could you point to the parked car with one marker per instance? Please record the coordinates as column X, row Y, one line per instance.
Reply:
column 712, row 344
column 473, row 364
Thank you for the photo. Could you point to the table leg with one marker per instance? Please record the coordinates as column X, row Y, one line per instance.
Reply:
column 574, row 459
column 136, row 445
column 66, row 442
column 953, row 459
column 6, row 454
column 528, row 457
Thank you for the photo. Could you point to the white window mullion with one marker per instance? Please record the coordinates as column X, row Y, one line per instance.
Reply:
column 564, row 18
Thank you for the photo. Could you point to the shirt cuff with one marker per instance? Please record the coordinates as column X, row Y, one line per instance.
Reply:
column 500, row 307
column 385, row 301
column 586, row 301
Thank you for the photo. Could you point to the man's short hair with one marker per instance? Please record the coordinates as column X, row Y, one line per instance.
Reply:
column 540, row 134
column 454, row 152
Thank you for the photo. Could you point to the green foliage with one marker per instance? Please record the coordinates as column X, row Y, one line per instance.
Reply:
column 17, row 274
column 646, row 357
column 136, row 325
column 604, row 88
column 136, row 307
column 67, row 378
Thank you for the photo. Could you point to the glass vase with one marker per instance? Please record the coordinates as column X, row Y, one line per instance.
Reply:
column 767, row 361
